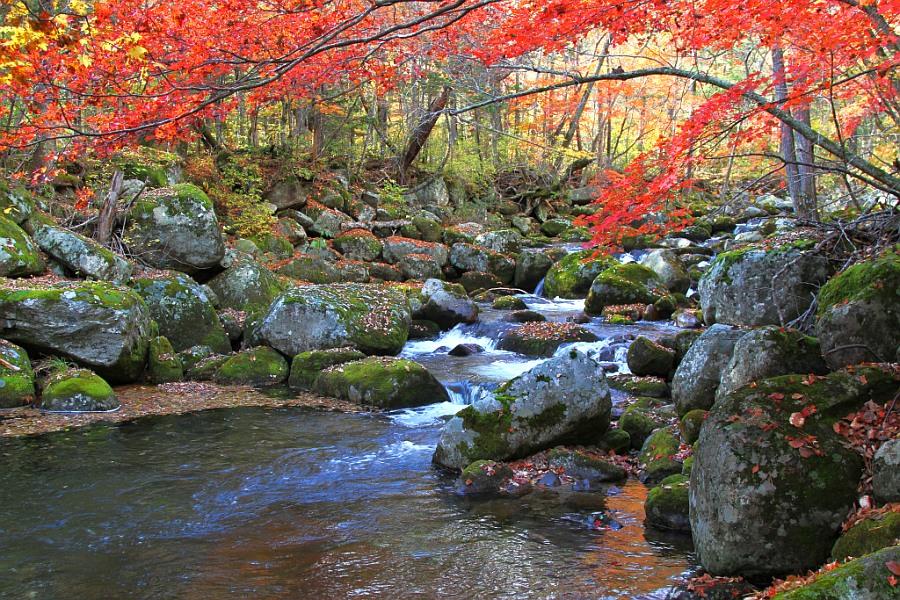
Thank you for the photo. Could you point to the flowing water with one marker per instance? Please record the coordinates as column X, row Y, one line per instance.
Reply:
column 295, row 503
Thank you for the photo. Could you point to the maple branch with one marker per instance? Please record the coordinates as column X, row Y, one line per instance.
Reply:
column 885, row 181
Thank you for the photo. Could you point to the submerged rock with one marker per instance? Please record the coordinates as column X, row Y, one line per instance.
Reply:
column 563, row 400
column 484, row 477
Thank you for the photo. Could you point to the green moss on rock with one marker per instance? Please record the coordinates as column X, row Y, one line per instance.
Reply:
column 306, row 366
column 77, row 390
column 623, row 284
column 572, row 275
column 866, row 578
column 667, row 505
column 585, row 466
column 484, row 477
column 16, row 376
column 867, row 536
column 658, row 455
column 383, row 382
column 257, row 366
column 163, row 364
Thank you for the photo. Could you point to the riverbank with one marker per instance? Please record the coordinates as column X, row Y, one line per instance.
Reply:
column 166, row 399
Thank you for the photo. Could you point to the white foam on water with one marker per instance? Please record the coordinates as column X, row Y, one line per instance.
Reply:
column 553, row 305
column 504, row 370
column 449, row 339
column 423, row 416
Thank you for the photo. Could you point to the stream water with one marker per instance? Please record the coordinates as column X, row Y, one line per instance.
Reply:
column 293, row 503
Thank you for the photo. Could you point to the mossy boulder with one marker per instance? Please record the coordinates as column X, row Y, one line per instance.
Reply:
column 755, row 287
column 183, row 312
column 698, row 375
column 768, row 352
column 163, row 363
column 419, row 267
column 772, row 482
column 555, row 227
column 690, row 425
column 384, row 382
column 16, row 203
column 95, row 324
column 504, row 241
column 396, row 248
column 623, row 284
column 484, row 477
column 372, row 318
column 205, row 368
column 509, row 303
column 469, row 257
column 572, row 275
column 246, row 286
column 16, row 376
column 464, row 232
column 257, row 366
column 83, row 255
column 667, row 504
column 531, row 267
column 658, row 455
column 474, row 281
column 306, row 366
column 358, row 244
column 429, row 230
column 176, row 228
column 543, row 338
column 646, row 357
column 640, row 420
column 563, row 400
column 275, row 247
column 669, row 268
column 445, row 304
column 19, row 256
column 615, row 440
column 869, row 535
column 311, row 268
column 77, row 390
column 582, row 465
column 859, row 313
column 866, row 578
column 649, row 386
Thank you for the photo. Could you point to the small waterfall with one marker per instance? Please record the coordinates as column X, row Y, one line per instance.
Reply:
column 539, row 290
column 466, row 392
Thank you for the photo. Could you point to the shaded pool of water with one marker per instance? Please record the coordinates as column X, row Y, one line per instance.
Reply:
column 292, row 503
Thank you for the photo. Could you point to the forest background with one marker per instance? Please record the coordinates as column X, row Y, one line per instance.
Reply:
column 647, row 100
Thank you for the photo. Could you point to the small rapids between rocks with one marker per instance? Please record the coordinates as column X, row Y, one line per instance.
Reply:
column 296, row 503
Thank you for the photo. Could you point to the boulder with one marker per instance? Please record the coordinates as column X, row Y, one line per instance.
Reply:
column 584, row 466
column 163, row 364
column 866, row 578
column 531, row 268
column 176, row 228
column 306, row 366
column 246, row 286
column 563, row 400
column 667, row 504
column 658, row 457
column 646, row 357
column 543, row 338
column 859, row 313
column 311, row 268
column 428, row 228
column 640, row 420
column 288, row 192
column 182, row 311
column 95, row 324
column 623, row 284
column 756, row 287
column 445, row 305
column 16, row 376
column 371, row 318
column 873, row 533
column 257, row 366
column 509, row 303
column 77, row 390
column 19, row 256
column 16, row 203
column 468, row 257
column 484, row 477
column 396, row 248
column 697, row 377
column 555, row 227
column 771, row 481
column 504, row 241
column 328, row 223
column 358, row 244
column 768, row 352
column 384, row 382
column 572, row 275
column 886, row 472
column 419, row 267
column 669, row 268
column 83, row 255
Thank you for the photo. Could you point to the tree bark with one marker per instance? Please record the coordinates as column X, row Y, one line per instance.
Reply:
column 423, row 130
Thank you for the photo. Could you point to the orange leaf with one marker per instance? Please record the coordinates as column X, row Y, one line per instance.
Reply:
column 755, row 468
column 893, row 566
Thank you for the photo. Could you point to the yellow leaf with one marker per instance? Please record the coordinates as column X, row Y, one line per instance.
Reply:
column 137, row 52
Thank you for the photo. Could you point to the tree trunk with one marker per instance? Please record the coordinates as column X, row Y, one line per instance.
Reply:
column 107, row 217
column 423, row 130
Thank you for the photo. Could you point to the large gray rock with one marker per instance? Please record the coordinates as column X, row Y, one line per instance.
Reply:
column 289, row 192
column 886, row 472
column 445, row 305
column 19, row 256
column 669, row 268
column 95, row 324
column 755, row 287
column 176, row 228
column 83, row 255
column 700, row 371
column 504, row 241
column 246, row 285
column 859, row 313
column 396, row 248
column 768, row 352
column 771, row 481
column 385, row 382
column 371, row 318
column 531, row 268
column 469, row 257
column 564, row 400
column 183, row 312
